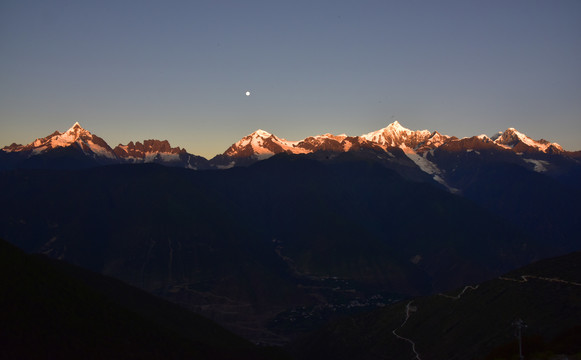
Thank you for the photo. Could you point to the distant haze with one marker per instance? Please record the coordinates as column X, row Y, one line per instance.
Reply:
column 179, row 70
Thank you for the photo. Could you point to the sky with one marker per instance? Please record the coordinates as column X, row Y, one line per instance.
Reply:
column 179, row 70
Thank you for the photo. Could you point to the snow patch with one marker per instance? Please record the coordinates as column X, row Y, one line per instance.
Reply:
column 262, row 133
column 429, row 168
column 539, row 165
column 426, row 165
column 101, row 151
column 224, row 167
column 38, row 150
column 166, row 157
column 263, row 155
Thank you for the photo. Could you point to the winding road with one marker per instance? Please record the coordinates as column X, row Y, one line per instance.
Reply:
column 471, row 287
column 525, row 278
column 407, row 316
column 409, row 309
column 522, row 279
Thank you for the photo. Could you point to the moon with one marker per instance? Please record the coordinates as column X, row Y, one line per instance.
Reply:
column 248, row 93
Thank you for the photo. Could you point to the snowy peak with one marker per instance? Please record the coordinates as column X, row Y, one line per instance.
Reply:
column 392, row 135
column 261, row 145
column 75, row 136
column 261, row 133
column 517, row 141
column 395, row 135
column 76, row 127
column 510, row 137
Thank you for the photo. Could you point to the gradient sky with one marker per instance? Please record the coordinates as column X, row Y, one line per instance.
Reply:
column 179, row 70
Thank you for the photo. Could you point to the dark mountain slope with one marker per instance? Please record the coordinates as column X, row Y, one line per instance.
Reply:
column 332, row 212
column 245, row 244
column 54, row 310
column 542, row 204
column 468, row 323
column 539, row 204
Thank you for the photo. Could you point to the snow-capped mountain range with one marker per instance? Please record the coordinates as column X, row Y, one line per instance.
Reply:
column 398, row 146
column 262, row 144
column 415, row 154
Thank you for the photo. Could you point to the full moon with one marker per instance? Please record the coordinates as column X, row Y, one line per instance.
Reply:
column 248, row 93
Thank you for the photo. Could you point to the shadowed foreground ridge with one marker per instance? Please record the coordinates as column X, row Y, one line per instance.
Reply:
column 52, row 310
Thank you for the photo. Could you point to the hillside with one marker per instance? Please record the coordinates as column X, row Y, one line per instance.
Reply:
column 473, row 322
column 51, row 309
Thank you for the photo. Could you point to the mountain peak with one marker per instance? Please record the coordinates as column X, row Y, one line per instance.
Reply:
column 261, row 133
column 395, row 135
column 261, row 145
column 75, row 135
column 396, row 126
column 76, row 127
column 514, row 139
